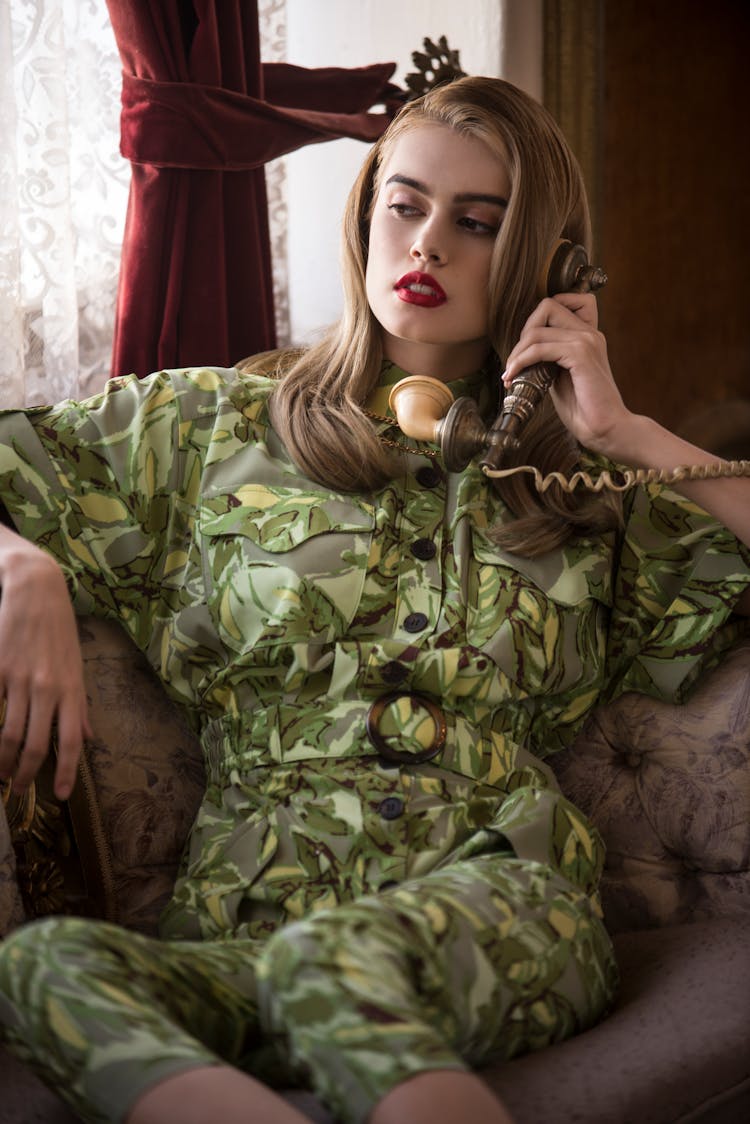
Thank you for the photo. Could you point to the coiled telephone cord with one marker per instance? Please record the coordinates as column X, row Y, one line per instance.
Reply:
column 626, row 478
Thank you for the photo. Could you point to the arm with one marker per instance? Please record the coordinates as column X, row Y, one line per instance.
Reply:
column 563, row 329
column 41, row 670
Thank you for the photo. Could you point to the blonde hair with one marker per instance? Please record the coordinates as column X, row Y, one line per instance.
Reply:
column 317, row 409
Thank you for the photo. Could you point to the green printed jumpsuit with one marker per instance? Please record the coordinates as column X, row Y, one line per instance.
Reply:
column 383, row 877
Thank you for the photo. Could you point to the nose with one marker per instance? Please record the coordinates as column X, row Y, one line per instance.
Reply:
column 427, row 246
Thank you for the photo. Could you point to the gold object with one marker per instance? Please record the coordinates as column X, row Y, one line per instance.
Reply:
column 63, row 862
column 420, row 404
column 400, row 445
column 20, row 809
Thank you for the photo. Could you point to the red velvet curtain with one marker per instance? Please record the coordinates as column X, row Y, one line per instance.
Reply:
column 200, row 117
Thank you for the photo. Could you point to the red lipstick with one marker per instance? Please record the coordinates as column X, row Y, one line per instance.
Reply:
column 419, row 288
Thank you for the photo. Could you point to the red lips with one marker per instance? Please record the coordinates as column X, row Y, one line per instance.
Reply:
column 419, row 288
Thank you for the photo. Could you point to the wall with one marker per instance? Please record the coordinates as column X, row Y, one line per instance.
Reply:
column 675, row 241
column 500, row 38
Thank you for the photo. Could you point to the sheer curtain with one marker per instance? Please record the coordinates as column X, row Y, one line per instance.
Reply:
column 64, row 189
column 63, row 195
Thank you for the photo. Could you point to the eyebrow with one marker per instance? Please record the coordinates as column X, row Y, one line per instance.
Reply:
column 462, row 197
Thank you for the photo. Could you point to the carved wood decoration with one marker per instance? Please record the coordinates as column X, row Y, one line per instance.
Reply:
column 61, row 854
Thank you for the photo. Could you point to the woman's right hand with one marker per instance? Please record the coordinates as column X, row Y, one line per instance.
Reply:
column 41, row 669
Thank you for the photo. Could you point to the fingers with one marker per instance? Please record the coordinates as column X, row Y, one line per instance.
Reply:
column 562, row 330
column 72, row 729
column 27, row 722
column 572, row 349
column 14, row 713
column 567, row 310
column 41, row 669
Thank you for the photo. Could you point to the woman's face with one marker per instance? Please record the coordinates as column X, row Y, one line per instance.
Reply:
column 438, row 208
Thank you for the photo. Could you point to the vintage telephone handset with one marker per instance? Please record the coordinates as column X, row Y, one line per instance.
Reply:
column 425, row 408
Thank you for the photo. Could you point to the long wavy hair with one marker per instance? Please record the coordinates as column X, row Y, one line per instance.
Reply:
column 317, row 408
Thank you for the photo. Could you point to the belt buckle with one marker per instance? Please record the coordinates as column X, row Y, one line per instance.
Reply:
column 404, row 756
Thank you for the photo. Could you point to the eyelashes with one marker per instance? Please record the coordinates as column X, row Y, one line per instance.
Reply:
column 476, row 226
column 469, row 223
column 403, row 210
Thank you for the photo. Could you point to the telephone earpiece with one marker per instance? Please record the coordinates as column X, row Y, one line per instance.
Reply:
column 461, row 432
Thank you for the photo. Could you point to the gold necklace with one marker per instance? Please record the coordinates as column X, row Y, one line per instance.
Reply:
column 398, row 444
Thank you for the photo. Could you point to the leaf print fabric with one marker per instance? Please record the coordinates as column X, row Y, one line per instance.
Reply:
column 278, row 613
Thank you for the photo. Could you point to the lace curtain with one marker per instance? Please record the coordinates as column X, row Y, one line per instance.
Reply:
column 63, row 194
column 272, row 26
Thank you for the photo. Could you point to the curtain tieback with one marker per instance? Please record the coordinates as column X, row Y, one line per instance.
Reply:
column 185, row 125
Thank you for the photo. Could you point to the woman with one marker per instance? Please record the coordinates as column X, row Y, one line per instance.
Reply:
column 383, row 887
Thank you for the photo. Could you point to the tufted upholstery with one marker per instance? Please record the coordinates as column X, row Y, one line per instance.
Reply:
column 668, row 787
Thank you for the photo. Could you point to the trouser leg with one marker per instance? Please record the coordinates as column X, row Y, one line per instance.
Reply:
column 487, row 958
column 100, row 1013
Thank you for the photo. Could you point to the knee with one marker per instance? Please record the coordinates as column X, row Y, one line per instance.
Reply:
column 348, row 959
column 307, row 954
column 339, row 994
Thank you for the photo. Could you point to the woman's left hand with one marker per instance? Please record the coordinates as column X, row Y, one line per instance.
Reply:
column 563, row 330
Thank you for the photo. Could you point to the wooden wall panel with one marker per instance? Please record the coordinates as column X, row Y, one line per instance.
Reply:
column 671, row 169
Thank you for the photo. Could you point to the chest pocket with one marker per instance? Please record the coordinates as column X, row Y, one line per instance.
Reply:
column 283, row 566
column 541, row 620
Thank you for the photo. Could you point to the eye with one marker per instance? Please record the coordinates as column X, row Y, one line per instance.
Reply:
column 403, row 210
column 476, row 226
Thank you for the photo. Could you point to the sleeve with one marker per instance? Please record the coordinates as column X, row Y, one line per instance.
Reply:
column 678, row 578
column 108, row 487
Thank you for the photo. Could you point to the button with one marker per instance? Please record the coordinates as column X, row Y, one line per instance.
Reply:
column 394, row 672
column 424, row 549
column 391, row 808
column 429, row 476
column 415, row 622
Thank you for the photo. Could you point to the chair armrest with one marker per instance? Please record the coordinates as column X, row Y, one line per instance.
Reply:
column 113, row 849
column 669, row 789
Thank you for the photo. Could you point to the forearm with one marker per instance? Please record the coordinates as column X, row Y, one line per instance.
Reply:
column 643, row 443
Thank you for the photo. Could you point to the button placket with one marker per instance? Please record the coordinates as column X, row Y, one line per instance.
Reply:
column 420, row 583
